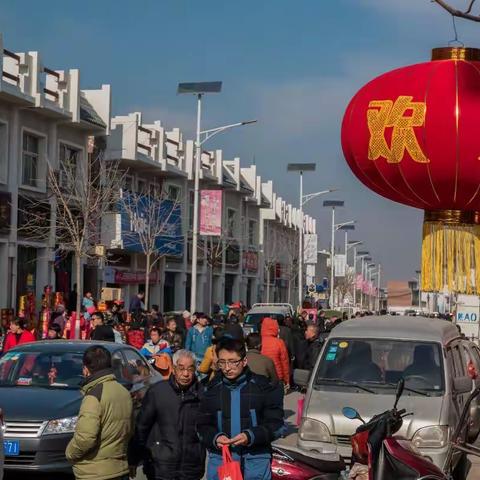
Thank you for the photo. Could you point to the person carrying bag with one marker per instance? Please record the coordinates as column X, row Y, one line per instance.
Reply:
column 229, row 470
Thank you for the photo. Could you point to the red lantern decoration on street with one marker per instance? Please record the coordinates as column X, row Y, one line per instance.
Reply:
column 413, row 135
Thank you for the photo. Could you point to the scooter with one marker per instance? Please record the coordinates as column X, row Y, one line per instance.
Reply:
column 292, row 463
column 390, row 457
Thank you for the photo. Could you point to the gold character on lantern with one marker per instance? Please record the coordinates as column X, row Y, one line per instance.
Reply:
column 401, row 115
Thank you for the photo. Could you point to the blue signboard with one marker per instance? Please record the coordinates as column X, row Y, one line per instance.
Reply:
column 170, row 242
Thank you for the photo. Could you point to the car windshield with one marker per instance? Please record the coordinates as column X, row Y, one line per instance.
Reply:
column 256, row 318
column 381, row 363
column 41, row 369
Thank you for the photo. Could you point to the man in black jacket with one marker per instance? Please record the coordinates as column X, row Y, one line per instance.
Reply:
column 242, row 410
column 165, row 437
column 313, row 346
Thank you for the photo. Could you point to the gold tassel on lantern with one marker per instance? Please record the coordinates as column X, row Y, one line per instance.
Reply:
column 451, row 252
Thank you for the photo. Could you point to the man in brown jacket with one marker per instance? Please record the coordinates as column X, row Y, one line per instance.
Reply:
column 258, row 363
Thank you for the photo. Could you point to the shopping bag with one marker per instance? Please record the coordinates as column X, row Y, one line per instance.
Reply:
column 229, row 470
column 300, row 403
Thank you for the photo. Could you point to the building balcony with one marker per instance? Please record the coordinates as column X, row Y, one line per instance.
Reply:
column 25, row 81
column 147, row 148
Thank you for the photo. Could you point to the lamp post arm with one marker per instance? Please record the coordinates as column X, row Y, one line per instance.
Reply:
column 311, row 196
column 208, row 134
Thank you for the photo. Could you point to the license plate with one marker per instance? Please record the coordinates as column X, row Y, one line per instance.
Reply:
column 11, row 448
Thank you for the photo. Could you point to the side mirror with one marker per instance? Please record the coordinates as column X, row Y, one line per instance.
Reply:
column 301, row 377
column 352, row 414
column 462, row 385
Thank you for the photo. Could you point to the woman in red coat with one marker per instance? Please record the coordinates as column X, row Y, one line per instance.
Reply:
column 274, row 348
column 17, row 335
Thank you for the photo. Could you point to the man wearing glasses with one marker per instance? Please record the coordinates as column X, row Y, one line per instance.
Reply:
column 242, row 410
column 165, row 437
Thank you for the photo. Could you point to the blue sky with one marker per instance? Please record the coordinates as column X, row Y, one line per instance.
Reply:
column 293, row 65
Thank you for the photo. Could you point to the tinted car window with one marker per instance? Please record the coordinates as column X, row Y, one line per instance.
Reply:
column 41, row 369
column 136, row 367
column 382, row 363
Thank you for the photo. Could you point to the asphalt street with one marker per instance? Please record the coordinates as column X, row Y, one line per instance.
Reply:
column 291, row 414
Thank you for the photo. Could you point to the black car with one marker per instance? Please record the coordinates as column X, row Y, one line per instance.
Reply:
column 40, row 395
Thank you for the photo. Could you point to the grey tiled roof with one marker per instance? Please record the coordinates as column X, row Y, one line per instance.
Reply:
column 88, row 113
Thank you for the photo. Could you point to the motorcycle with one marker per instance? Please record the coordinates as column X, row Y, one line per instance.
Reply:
column 388, row 457
column 291, row 462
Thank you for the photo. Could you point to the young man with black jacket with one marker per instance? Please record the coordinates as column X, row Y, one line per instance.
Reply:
column 165, row 438
column 242, row 410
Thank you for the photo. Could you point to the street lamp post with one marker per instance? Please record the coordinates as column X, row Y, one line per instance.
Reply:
column 332, row 204
column 365, row 258
column 354, row 244
column 199, row 89
column 300, row 168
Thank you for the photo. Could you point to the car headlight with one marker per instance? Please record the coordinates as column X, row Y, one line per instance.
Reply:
column 431, row 437
column 61, row 425
column 313, row 430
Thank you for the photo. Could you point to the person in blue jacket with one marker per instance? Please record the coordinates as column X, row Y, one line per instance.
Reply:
column 242, row 410
column 199, row 337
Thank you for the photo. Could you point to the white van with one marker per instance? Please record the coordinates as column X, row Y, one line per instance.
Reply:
column 360, row 365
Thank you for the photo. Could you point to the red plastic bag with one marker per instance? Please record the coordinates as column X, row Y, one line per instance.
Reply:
column 229, row 470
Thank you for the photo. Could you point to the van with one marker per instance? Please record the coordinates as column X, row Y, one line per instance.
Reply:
column 360, row 365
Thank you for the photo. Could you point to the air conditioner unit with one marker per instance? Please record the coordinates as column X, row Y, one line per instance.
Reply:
column 111, row 294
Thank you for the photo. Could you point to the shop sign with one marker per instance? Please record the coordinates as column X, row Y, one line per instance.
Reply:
column 170, row 242
column 128, row 278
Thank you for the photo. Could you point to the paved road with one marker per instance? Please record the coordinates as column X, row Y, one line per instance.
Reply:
column 290, row 439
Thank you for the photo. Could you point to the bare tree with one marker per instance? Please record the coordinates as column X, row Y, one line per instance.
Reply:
column 272, row 247
column 466, row 13
column 79, row 193
column 289, row 249
column 155, row 228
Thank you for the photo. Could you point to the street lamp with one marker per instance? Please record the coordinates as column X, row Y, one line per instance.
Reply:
column 332, row 204
column 354, row 244
column 199, row 89
column 304, row 199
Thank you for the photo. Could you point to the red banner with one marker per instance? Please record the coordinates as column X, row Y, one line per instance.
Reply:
column 211, row 212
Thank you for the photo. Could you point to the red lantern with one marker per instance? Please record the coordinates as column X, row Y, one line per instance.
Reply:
column 411, row 135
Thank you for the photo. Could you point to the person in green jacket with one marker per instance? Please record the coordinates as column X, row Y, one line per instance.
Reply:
column 98, row 449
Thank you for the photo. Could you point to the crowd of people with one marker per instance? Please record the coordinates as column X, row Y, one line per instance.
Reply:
column 221, row 389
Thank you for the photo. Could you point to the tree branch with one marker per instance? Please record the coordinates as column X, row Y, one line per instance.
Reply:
column 459, row 13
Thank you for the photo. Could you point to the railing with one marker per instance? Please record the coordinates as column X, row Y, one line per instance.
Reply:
column 55, row 74
column 173, row 142
column 145, row 130
column 11, row 76
column 145, row 147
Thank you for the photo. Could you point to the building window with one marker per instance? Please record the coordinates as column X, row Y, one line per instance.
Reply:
column 252, row 232
column 68, row 165
column 191, row 206
column 30, row 160
column 128, row 183
column 154, row 189
column 141, row 186
column 231, row 219
column 173, row 193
